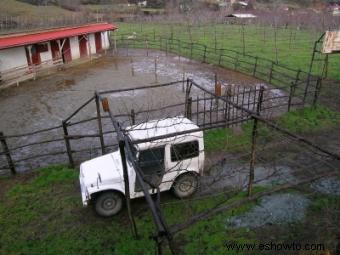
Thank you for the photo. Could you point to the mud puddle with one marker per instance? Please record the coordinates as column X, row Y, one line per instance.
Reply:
column 45, row 102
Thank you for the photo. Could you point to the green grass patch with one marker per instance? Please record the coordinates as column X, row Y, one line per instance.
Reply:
column 43, row 214
column 232, row 140
column 292, row 47
column 309, row 119
column 320, row 203
column 226, row 139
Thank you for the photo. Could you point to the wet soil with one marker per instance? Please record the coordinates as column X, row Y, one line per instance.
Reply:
column 46, row 101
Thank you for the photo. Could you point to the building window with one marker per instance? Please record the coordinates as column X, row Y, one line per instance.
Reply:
column 42, row 47
column 184, row 151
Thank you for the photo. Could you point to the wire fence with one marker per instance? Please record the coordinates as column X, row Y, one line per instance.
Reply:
column 244, row 151
column 303, row 84
column 257, row 158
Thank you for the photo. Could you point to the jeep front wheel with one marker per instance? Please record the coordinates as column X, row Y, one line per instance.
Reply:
column 108, row 203
column 185, row 185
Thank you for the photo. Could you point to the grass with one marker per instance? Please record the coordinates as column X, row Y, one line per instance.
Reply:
column 294, row 47
column 17, row 8
column 310, row 119
column 120, row 8
column 226, row 139
column 43, row 214
column 307, row 120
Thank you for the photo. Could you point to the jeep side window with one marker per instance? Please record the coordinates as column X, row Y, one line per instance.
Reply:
column 151, row 162
column 183, row 151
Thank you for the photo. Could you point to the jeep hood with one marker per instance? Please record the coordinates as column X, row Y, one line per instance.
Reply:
column 102, row 170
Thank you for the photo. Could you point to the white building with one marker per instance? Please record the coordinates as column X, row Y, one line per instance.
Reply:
column 21, row 54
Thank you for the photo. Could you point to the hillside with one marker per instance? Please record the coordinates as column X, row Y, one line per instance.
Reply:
column 16, row 8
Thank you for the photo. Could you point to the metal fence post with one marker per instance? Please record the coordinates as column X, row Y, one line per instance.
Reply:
column 166, row 47
column 255, row 66
column 291, row 94
column 127, row 188
column 188, row 101
column 252, row 157
column 133, row 117
column 191, row 45
column 253, row 143
column 188, row 110
column 68, row 145
column 317, row 91
column 205, row 54
column 7, row 153
column 100, row 124
column 271, row 72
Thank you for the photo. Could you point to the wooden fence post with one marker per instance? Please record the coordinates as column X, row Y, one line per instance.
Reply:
column 317, row 91
column 291, row 95
column 227, row 106
column 191, row 46
column 271, row 72
column 7, row 153
column 133, row 117
column 188, row 111
column 255, row 66
column 253, row 143
column 166, row 47
column 252, row 157
column 179, row 49
column 68, row 145
column 205, row 54
column 188, row 101
column 127, row 188
column 100, row 124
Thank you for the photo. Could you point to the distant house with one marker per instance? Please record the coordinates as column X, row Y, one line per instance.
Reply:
column 241, row 16
column 21, row 54
column 335, row 9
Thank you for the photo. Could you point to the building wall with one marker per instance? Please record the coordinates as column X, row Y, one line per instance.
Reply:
column 105, row 40
column 74, row 44
column 92, row 43
column 13, row 57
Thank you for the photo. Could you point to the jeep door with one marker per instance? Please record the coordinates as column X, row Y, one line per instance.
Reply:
column 151, row 162
column 181, row 157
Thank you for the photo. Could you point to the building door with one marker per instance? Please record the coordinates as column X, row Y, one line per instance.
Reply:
column 82, row 46
column 55, row 50
column 35, row 55
column 98, row 40
column 28, row 57
column 66, row 51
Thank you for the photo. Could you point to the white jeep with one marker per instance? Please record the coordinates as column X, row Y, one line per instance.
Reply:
column 171, row 163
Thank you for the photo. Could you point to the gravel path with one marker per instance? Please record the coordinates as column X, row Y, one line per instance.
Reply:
column 273, row 209
column 328, row 186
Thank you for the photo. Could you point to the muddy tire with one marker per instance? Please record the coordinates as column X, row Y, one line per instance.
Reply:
column 108, row 203
column 185, row 185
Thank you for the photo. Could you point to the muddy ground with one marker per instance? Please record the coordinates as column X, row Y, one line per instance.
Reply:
column 45, row 102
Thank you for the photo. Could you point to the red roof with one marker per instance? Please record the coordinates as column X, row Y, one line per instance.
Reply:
column 14, row 40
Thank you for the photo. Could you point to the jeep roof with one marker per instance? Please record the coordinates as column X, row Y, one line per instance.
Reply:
column 160, row 127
